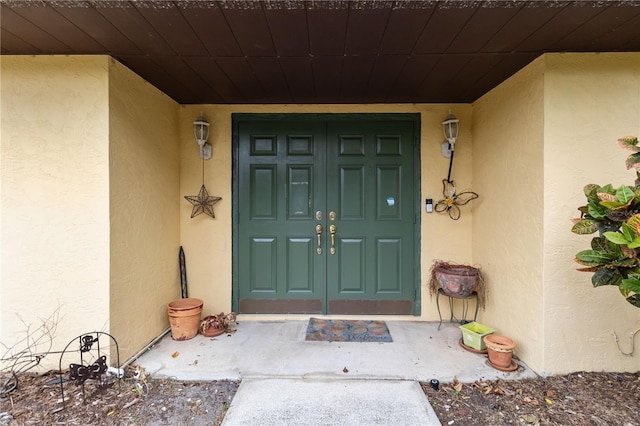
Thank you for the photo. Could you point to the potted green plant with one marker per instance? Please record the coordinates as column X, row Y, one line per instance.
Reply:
column 457, row 280
column 614, row 213
column 215, row 325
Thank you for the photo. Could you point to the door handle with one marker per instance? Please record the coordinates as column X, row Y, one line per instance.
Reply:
column 319, row 233
column 332, row 229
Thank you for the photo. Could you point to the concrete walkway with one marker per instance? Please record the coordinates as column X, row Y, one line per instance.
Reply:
column 289, row 381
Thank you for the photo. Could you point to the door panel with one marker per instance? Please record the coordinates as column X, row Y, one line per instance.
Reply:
column 300, row 266
column 298, row 196
column 388, row 182
column 350, row 266
column 351, row 190
column 263, row 191
column 370, row 183
column 388, row 265
column 281, row 188
column 361, row 170
column 263, row 269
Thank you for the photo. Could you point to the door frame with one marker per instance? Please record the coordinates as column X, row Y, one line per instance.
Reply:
column 415, row 118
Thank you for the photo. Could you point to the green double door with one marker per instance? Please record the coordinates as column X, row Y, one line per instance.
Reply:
column 326, row 214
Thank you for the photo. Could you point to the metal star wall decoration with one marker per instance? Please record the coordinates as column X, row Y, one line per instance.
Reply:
column 202, row 203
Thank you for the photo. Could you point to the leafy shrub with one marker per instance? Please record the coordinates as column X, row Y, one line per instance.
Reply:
column 614, row 213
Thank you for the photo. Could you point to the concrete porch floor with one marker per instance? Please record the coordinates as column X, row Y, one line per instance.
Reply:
column 278, row 349
column 276, row 364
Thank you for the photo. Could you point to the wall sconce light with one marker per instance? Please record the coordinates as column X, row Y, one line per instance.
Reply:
column 201, row 133
column 452, row 200
column 451, row 127
column 203, row 202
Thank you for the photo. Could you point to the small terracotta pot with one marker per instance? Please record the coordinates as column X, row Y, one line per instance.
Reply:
column 500, row 349
column 211, row 331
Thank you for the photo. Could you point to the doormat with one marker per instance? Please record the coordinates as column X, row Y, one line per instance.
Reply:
column 322, row 330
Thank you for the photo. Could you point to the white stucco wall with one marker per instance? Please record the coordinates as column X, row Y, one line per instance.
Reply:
column 144, row 208
column 590, row 101
column 55, row 197
column 207, row 242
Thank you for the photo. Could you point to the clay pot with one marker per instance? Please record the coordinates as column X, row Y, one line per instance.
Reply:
column 211, row 331
column 184, row 318
column 457, row 280
column 208, row 326
column 500, row 349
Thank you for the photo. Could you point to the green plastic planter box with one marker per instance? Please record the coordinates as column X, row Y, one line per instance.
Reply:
column 472, row 334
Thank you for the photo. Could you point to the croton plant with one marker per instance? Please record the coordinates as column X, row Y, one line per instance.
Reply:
column 614, row 213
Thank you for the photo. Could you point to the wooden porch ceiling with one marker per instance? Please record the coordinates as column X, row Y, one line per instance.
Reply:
column 238, row 52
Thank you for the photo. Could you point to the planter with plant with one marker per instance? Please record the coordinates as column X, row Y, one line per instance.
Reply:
column 215, row 325
column 614, row 213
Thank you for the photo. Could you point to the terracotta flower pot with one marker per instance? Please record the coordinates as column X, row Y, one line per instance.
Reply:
column 215, row 325
column 457, row 281
column 211, row 332
column 500, row 349
column 184, row 318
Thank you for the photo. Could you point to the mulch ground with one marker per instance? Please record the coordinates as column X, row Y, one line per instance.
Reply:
column 137, row 399
column 575, row 399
